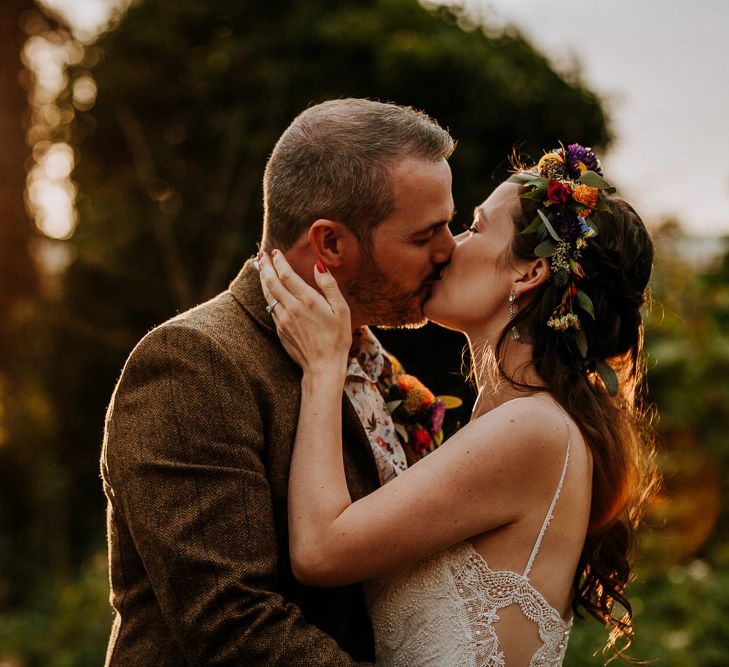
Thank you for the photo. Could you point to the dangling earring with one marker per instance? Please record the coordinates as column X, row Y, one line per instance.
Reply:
column 512, row 301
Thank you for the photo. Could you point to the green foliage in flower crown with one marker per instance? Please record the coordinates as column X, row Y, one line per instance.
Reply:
column 563, row 231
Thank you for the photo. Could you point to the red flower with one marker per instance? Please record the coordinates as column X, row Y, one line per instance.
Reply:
column 557, row 192
column 421, row 439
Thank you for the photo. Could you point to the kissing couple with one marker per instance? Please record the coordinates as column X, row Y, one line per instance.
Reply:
column 267, row 502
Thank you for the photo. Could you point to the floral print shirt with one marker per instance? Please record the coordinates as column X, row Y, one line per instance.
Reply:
column 367, row 361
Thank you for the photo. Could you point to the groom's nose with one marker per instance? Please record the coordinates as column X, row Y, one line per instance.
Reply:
column 443, row 247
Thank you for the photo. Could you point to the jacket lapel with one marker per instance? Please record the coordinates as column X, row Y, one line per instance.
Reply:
column 360, row 465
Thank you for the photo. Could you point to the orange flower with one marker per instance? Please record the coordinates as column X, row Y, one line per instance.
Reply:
column 418, row 395
column 396, row 365
column 586, row 195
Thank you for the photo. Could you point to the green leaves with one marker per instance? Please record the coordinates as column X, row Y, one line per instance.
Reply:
column 393, row 405
column 524, row 178
column 584, row 302
column 581, row 342
column 608, row 376
column 533, row 226
column 561, row 278
column 596, row 181
column 402, row 432
column 545, row 249
column 549, row 227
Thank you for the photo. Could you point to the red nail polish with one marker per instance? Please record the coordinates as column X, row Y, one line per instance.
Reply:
column 321, row 267
column 260, row 254
column 274, row 252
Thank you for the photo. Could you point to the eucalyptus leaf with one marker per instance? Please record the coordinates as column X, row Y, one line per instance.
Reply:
column 545, row 249
column 609, row 378
column 584, row 302
column 533, row 226
column 402, row 432
column 594, row 181
column 393, row 405
column 581, row 342
column 548, row 225
column 522, row 178
column 538, row 194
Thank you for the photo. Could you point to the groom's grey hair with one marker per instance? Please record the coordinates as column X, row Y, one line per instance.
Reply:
column 335, row 161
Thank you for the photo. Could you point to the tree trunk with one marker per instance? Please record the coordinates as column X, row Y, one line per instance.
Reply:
column 17, row 272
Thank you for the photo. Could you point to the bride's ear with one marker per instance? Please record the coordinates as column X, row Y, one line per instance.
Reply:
column 332, row 242
column 533, row 275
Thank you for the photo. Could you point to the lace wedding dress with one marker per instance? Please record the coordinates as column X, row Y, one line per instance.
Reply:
column 444, row 610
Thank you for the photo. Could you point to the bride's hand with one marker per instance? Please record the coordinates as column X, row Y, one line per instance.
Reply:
column 315, row 329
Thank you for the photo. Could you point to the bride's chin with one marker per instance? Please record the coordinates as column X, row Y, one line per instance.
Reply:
column 436, row 315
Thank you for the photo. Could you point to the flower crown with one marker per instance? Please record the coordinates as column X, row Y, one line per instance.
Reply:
column 570, row 187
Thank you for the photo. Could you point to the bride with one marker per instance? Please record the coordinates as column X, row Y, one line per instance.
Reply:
column 481, row 552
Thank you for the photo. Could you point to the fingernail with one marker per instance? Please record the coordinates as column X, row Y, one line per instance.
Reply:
column 320, row 266
column 274, row 252
column 260, row 254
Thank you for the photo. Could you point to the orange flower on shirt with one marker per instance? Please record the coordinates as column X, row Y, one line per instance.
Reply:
column 418, row 396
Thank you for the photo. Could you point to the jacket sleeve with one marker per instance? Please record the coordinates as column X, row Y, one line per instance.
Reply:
column 183, row 449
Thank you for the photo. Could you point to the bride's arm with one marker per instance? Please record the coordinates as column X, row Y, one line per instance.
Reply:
column 462, row 489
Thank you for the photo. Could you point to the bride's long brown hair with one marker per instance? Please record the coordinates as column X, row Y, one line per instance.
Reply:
column 617, row 264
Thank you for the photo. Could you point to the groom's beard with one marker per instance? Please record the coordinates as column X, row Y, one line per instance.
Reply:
column 383, row 303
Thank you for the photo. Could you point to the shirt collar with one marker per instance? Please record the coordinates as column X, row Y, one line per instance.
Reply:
column 367, row 358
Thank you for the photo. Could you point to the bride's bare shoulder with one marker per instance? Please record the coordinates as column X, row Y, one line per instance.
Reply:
column 530, row 423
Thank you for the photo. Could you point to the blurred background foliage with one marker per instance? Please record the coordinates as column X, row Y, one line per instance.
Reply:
column 170, row 117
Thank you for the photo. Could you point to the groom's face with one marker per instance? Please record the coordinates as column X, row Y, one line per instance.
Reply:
column 409, row 248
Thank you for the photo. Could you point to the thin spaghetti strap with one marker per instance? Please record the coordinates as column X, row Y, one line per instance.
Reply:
column 550, row 511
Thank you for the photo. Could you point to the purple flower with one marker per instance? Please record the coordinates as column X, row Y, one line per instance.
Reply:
column 568, row 225
column 581, row 159
column 436, row 416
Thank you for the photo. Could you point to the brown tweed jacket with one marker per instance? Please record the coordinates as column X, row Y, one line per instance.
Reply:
column 195, row 469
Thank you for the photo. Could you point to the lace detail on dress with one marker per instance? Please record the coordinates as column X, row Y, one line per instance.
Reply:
column 484, row 592
column 441, row 611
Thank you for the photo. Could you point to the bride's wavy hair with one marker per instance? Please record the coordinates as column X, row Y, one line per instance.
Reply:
column 617, row 263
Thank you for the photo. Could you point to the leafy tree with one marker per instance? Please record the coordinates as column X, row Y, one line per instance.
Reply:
column 191, row 99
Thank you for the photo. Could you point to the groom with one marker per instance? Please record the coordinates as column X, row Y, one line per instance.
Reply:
column 200, row 428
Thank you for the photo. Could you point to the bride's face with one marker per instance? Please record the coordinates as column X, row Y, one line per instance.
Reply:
column 473, row 291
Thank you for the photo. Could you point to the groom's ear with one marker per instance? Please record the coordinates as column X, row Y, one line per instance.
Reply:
column 533, row 275
column 333, row 242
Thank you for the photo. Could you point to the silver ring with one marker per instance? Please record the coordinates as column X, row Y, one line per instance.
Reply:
column 271, row 306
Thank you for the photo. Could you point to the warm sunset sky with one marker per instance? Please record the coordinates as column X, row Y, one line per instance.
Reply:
column 663, row 68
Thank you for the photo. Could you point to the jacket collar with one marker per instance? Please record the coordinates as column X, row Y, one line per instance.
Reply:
column 246, row 289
